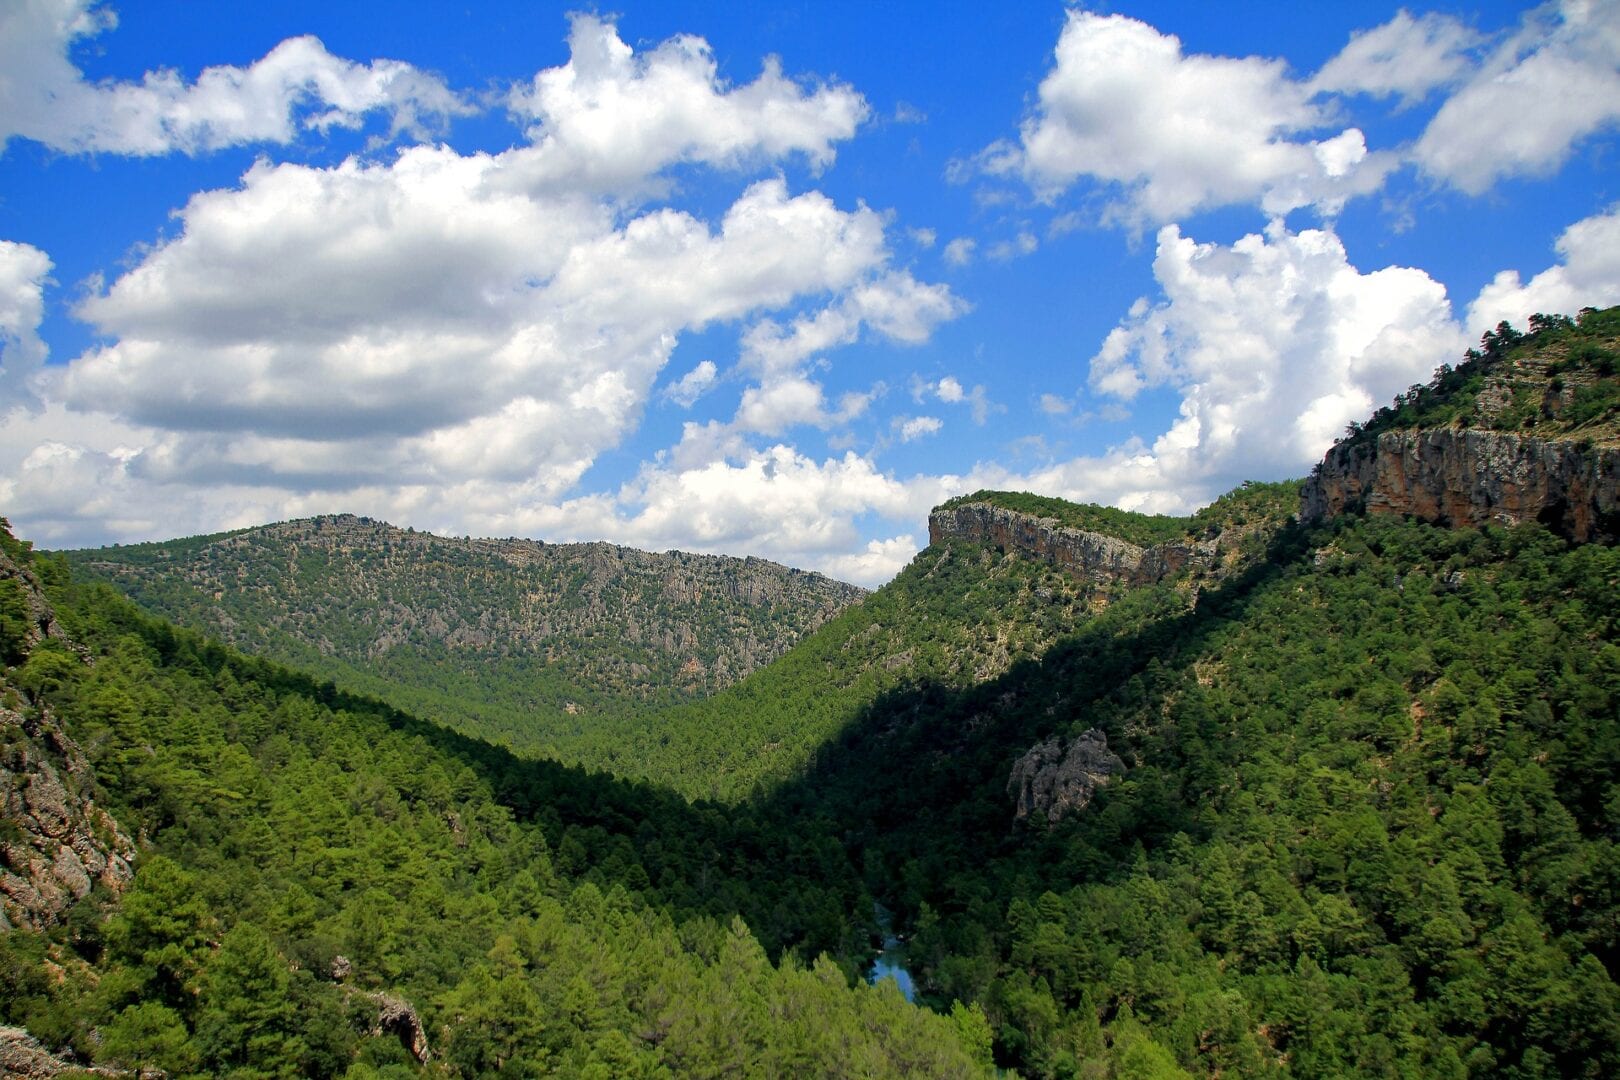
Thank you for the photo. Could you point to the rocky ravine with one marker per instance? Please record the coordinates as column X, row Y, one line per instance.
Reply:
column 1464, row 477
column 1103, row 559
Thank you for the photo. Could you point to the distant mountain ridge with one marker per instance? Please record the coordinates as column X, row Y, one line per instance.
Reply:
column 513, row 640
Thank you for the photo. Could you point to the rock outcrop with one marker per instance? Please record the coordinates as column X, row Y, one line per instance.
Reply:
column 56, row 844
column 23, row 1058
column 1058, row 782
column 59, row 843
column 396, row 1016
column 1104, row 559
column 1463, row 477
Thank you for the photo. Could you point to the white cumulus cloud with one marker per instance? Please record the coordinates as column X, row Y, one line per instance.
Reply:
column 693, row 385
column 1532, row 100
column 430, row 310
column 610, row 118
column 297, row 86
column 959, row 252
column 915, row 427
column 24, row 270
column 1408, row 57
column 1587, row 275
column 1274, row 345
column 1123, row 105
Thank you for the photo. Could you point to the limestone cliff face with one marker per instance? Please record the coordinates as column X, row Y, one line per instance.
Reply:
column 1104, row 559
column 1058, row 781
column 1464, row 477
column 56, row 844
column 59, row 843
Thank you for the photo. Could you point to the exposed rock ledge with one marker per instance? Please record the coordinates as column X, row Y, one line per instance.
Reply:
column 1101, row 558
column 1459, row 477
column 57, row 843
column 22, row 1057
column 1057, row 782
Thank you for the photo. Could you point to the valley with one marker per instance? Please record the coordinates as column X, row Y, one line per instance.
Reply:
column 1323, row 780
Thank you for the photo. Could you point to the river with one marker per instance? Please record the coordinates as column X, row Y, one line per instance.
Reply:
column 891, row 962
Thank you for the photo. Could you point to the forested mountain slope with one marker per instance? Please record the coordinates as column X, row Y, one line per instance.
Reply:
column 963, row 612
column 1248, row 794
column 514, row 641
column 327, row 887
column 1364, row 819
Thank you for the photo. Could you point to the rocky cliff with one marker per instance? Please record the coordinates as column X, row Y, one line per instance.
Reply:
column 1103, row 559
column 1056, row 781
column 1527, row 428
column 56, row 844
column 1465, row 477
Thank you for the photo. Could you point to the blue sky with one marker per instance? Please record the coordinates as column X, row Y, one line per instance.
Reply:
column 769, row 280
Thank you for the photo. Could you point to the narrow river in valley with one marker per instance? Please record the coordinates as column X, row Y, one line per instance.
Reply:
column 891, row 962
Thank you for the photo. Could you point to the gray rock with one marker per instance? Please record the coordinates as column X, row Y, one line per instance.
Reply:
column 396, row 1016
column 60, row 844
column 1056, row 781
column 23, row 1058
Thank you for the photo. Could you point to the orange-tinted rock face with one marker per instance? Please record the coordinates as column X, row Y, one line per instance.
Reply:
column 1466, row 478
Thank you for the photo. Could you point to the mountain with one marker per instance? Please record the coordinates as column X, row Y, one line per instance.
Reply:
column 967, row 610
column 326, row 886
column 517, row 641
column 1299, row 786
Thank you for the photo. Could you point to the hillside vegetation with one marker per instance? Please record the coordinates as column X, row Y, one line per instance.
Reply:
column 317, row 867
column 1350, row 807
column 513, row 641
column 958, row 615
column 1556, row 381
column 1368, row 823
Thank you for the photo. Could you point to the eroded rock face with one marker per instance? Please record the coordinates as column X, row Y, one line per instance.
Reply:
column 23, row 1058
column 1105, row 559
column 1464, row 478
column 396, row 1016
column 60, row 844
column 1056, row 781
column 57, row 844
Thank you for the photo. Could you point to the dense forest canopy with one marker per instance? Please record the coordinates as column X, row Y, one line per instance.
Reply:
column 514, row 641
column 1365, row 821
column 315, row 858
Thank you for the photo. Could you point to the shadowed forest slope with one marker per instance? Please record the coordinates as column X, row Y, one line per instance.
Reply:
column 326, row 886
